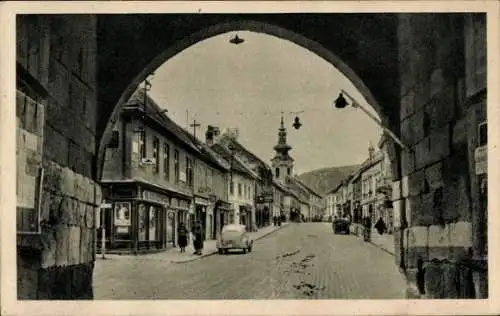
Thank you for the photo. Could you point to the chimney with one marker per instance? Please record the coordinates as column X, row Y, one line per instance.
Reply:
column 371, row 152
column 212, row 135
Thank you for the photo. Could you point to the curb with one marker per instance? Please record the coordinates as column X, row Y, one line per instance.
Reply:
column 215, row 251
column 378, row 246
column 382, row 248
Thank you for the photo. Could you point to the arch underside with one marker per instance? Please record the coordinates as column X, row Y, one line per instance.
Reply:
column 362, row 46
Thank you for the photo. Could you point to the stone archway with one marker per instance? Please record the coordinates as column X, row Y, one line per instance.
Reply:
column 431, row 64
column 244, row 25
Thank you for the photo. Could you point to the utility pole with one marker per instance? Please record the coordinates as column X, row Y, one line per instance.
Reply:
column 195, row 126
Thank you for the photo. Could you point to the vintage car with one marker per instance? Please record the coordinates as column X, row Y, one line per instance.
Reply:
column 234, row 236
column 340, row 225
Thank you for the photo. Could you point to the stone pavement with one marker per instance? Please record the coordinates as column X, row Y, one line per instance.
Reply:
column 302, row 261
column 175, row 256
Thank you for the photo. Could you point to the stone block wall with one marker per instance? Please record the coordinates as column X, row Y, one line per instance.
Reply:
column 434, row 195
column 58, row 262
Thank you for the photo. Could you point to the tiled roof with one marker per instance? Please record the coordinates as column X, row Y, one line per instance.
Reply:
column 237, row 165
column 300, row 182
column 238, row 144
column 154, row 111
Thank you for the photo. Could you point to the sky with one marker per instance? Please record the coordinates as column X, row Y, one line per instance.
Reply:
column 247, row 86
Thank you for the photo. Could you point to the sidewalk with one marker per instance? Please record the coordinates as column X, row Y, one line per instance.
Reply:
column 384, row 242
column 209, row 248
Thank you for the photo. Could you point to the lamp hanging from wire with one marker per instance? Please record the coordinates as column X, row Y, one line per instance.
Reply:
column 296, row 123
column 236, row 40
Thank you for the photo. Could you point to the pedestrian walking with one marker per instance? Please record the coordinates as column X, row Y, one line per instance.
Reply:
column 367, row 226
column 182, row 237
column 380, row 226
column 198, row 238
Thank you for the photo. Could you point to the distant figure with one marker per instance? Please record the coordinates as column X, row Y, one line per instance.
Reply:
column 182, row 237
column 198, row 238
column 367, row 223
column 380, row 226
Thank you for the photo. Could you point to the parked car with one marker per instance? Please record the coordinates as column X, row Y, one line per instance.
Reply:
column 340, row 225
column 234, row 236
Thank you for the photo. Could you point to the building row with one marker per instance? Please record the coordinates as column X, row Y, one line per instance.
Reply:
column 366, row 191
column 157, row 175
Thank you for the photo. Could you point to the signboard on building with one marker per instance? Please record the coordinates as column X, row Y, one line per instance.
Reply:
column 155, row 197
column 481, row 159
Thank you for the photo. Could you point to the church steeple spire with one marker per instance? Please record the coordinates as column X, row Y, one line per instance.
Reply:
column 282, row 148
column 282, row 162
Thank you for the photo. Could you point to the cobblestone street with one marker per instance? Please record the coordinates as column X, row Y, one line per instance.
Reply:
column 300, row 261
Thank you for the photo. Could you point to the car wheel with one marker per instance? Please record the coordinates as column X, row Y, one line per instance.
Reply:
column 221, row 251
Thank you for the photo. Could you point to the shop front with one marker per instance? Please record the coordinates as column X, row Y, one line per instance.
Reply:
column 179, row 209
column 246, row 217
column 222, row 211
column 140, row 219
column 200, row 213
column 263, row 216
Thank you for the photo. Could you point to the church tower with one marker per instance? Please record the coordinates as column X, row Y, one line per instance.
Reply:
column 282, row 163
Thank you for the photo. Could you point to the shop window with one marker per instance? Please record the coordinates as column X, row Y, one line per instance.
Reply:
column 142, row 222
column 152, row 223
column 176, row 166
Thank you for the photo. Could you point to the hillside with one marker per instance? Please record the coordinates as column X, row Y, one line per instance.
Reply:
column 325, row 179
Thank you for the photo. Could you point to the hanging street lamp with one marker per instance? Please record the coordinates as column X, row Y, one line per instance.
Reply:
column 236, row 40
column 341, row 103
column 297, row 123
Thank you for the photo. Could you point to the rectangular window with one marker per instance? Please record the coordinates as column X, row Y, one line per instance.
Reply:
column 205, row 182
column 142, row 144
column 231, row 188
column 189, row 171
column 176, row 166
column 277, row 172
column 166, row 161
column 156, row 151
column 239, row 189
